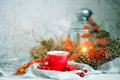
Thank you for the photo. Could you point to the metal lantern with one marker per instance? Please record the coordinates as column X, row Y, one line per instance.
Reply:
column 76, row 29
column 83, row 14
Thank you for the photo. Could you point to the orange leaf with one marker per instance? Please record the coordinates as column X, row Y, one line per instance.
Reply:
column 92, row 53
column 88, row 44
column 87, row 27
column 96, row 27
column 86, row 35
column 90, row 20
column 68, row 44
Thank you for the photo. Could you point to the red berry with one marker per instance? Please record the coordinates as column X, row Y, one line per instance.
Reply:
column 47, row 67
column 85, row 70
column 69, row 68
column 39, row 67
column 81, row 74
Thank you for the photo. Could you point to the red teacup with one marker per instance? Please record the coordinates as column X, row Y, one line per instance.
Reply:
column 57, row 59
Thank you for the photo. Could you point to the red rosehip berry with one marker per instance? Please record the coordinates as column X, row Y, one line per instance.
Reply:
column 85, row 70
column 82, row 74
column 44, row 68
column 39, row 67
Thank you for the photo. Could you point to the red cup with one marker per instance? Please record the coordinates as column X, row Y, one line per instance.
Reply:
column 57, row 59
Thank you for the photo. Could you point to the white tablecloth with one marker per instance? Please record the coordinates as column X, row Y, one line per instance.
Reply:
column 32, row 73
column 90, row 77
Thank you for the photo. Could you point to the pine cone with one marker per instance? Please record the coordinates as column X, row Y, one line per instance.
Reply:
column 86, row 60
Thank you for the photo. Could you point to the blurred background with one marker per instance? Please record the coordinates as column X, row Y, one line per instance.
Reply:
column 22, row 22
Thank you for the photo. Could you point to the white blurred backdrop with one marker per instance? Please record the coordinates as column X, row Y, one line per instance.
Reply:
column 22, row 22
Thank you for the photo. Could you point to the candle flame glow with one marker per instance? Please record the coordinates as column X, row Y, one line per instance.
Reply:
column 84, row 49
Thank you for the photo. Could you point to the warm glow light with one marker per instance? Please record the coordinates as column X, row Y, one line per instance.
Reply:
column 84, row 49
